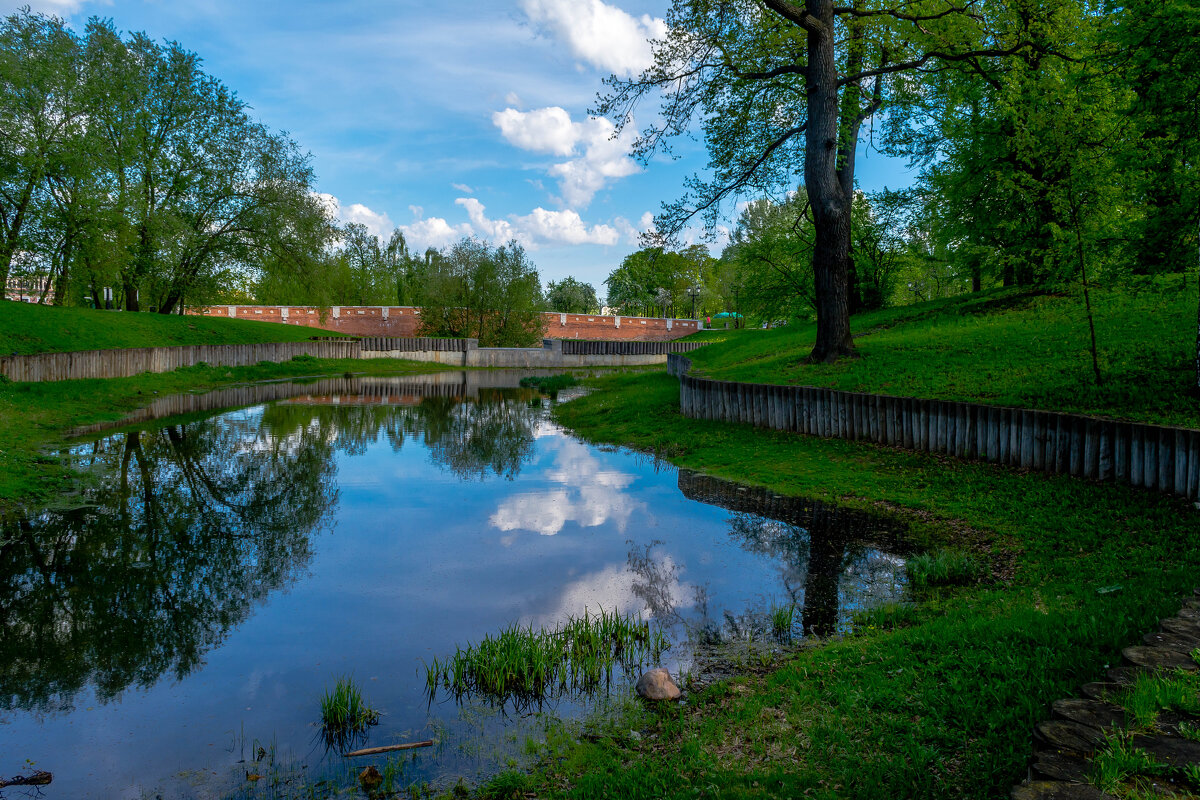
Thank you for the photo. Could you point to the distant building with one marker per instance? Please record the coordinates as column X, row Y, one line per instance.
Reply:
column 29, row 289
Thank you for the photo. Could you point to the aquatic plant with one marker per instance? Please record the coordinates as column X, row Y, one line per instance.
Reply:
column 941, row 568
column 783, row 619
column 529, row 665
column 550, row 384
column 885, row 617
column 345, row 715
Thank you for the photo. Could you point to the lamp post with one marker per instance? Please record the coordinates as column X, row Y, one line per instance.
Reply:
column 693, row 292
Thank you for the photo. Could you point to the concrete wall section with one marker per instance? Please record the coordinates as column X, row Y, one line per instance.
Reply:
column 404, row 321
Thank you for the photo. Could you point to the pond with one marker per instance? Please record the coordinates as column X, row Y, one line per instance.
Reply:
column 172, row 631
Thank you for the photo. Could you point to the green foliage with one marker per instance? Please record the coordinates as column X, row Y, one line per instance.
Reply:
column 527, row 667
column 783, row 621
column 1119, row 762
column 1151, row 694
column 569, row 296
column 655, row 281
column 345, row 715
column 941, row 568
column 550, row 384
column 487, row 293
column 124, row 165
column 885, row 617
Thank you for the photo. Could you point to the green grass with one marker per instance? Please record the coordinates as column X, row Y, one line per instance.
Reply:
column 549, row 384
column 37, row 416
column 28, row 328
column 1001, row 347
column 1119, row 763
column 943, row 567
column 527, row 666
column 1152, row 694
column 345, row 715
column 937, row 699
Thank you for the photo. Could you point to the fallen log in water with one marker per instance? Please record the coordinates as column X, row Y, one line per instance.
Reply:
column 370, row 751
column 39, row 778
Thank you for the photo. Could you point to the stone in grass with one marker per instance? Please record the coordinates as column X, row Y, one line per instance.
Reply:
column 1158, row 658
column 1060, row 767
column 1090, row 712
column 1067, row 736
column 370, row 779
column 656, row 684
column 1178, row 753
column 1184, row 627
column 1172, row 641
column 1058, row 790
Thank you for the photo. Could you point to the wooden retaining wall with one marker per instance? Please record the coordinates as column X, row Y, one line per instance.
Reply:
column 1154, row 457
column 587, row 347
column 134, row 361
column 418, row 344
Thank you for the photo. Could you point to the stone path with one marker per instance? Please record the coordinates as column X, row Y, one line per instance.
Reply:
column 1065, row 744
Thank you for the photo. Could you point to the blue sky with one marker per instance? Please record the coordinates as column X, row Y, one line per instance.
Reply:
column 448, row 119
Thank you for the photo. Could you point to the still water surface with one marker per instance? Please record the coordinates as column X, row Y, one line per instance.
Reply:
column 220, row 573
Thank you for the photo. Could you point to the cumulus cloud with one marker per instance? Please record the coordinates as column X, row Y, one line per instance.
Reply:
column 633, row 231
column 462, row 187
column 540, row 226
column 58, row 7
column 433, row 232
column 589, row 496
column 599, row 157
column 377, row 223
column 602, row 35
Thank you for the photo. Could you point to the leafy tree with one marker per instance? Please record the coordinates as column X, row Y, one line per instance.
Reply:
column 571, row 296
column 492, row 294
column 783, row 88
column 655, row 280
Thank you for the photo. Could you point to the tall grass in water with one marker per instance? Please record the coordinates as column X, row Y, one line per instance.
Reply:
column 941, row 568
column 345, row 715
column 528, row 666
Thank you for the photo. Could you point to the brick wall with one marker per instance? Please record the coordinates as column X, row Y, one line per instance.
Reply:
column 404, row 321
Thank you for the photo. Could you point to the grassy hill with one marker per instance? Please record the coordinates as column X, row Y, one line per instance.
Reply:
column 27, row 328
column 1002, row 347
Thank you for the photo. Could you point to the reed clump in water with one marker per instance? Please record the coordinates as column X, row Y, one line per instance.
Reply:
column 528, row 665
column 345, row 715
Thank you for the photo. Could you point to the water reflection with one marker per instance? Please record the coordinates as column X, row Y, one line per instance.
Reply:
column 185, row 530
column 829, row 557
column 232, row 568
column 182, row 531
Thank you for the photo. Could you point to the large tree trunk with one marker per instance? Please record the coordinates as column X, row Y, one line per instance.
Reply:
column 827, row 197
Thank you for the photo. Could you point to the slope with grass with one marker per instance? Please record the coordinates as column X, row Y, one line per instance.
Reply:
column 26, row 328
column 937, row 701
column 1001, row 347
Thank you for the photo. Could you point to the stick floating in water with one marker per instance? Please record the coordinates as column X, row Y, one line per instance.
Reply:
column 370, row 751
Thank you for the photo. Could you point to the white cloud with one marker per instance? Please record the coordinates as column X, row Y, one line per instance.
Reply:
column 433, row 232
column 377, row 223
column 602, row 35
column 600, row 157
column 589, row 496
column 58, row 7
column 540, row 226
column 462, row 187
column 632, row 232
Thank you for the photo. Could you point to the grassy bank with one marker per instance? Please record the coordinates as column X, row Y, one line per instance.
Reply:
column 936, row 703
column 36, row 416
column 1003, row 347
column 27, row 328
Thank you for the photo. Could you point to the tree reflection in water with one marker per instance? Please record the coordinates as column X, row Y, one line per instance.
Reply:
column 185, row 529
column 829, row 557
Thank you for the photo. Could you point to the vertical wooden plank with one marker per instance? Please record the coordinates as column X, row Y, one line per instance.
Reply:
column 1025, row 459
column 1120, row 452
column 1180, row 453
column 1137, row 454
column 1193, row 490
column 1091, row 449
column 962, row 429
column 1105, row 446
column 1150, row 457
column 1166, row 460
